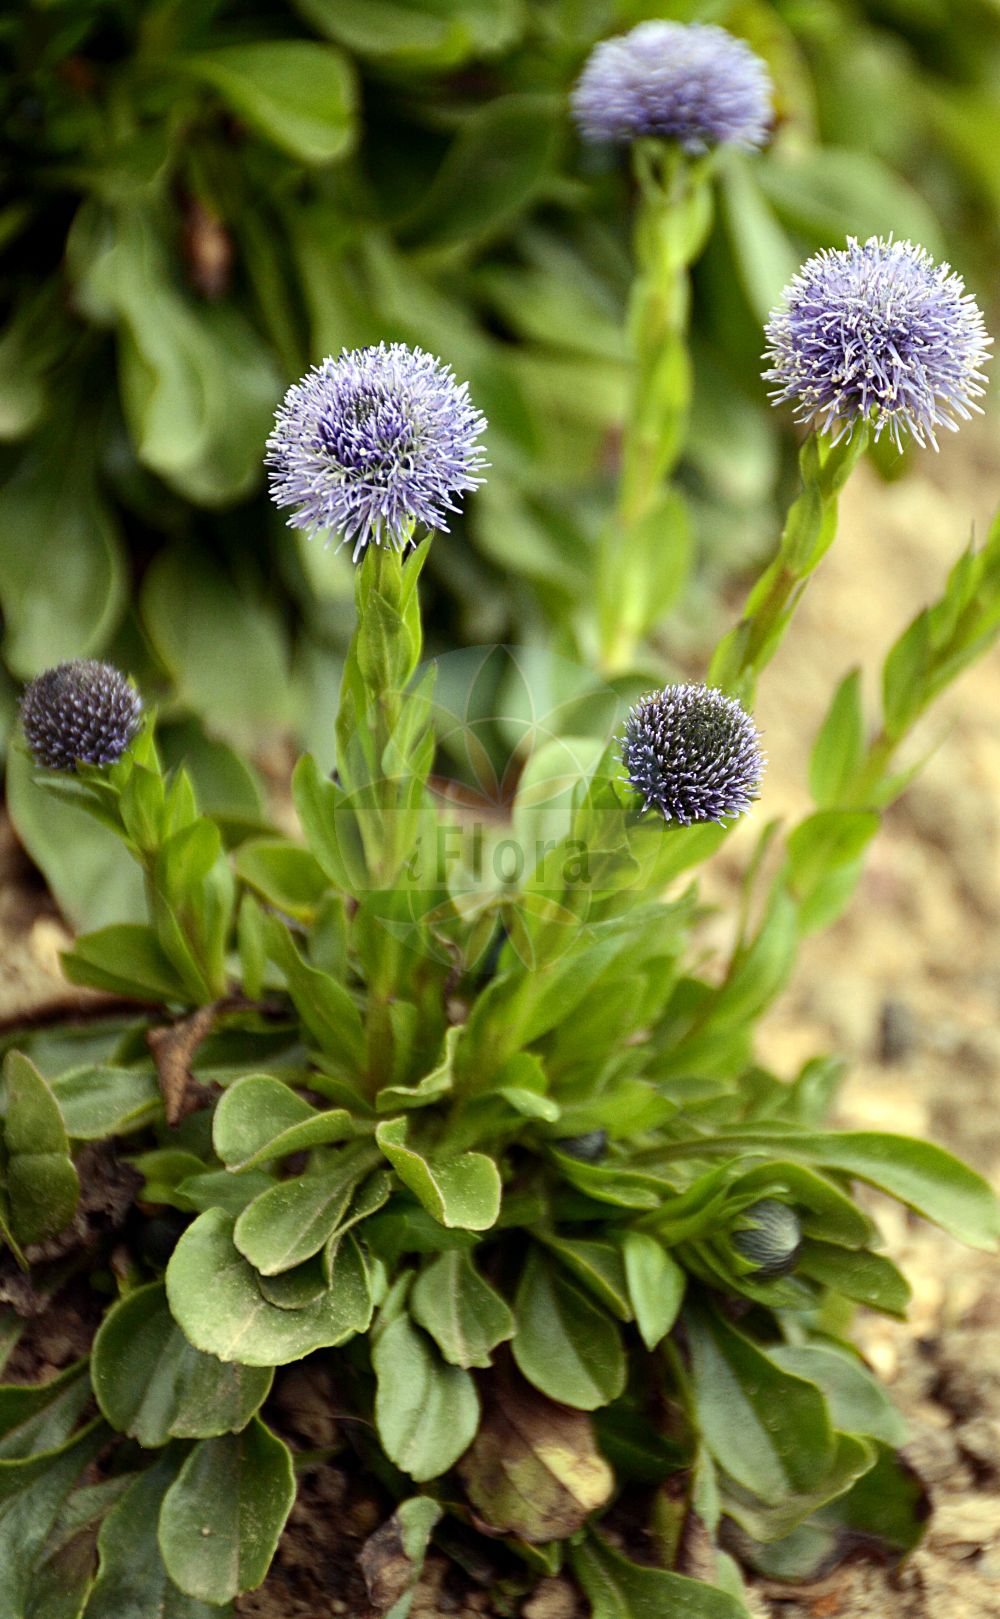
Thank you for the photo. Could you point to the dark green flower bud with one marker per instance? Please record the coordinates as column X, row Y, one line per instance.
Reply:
column 589, row 1148
column 769, row 1235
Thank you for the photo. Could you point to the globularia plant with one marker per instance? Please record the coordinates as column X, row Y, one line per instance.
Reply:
column 485, row 1139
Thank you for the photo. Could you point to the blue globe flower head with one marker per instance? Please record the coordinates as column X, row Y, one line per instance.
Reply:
column 373, row 443
column 692, row 83
column 877, row 332
column 80, row 713
column 693, row 753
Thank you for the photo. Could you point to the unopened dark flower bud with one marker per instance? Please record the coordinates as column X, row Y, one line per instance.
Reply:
column 588, row 1148
column 693, row 753
column 769, row 1235
column 80, row 713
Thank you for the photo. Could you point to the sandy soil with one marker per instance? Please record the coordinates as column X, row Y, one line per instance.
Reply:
column 907, row 986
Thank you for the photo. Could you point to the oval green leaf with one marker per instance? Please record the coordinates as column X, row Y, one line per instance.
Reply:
column 215, row 1298
column 426, row 1412
column 222, row 1517
column 152, row 1384
column 463, row 1191
column 565, row 1344
column 464, row 1315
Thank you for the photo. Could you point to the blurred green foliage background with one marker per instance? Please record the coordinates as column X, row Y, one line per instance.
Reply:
column 203, row 197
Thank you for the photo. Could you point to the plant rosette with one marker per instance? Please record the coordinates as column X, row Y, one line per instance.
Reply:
column 484, row 1139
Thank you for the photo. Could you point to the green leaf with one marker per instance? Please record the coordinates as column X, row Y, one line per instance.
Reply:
column 463, row 1191
column 97, row 1102
column 152, row 1384
column 83, row 862
column 494, row 168
column 290, row 878
column 599, row 1266
column 464, row 1315
column 764, row 256
column 260, row 1118
column 223, row 1515
column 176, row 360
column 856, row 1402
column 163, row 1170
column 905, row 674
column 656, row 1285
column 252, row 946
column 215, row 1298
column 225, row 653
column 825, row 193
column 417, row 35
column 652, row 559
column 32, row 1492
column 323, row 808
column 627, row 1188
column 40, row 1184
column 869, row 1278
column 839, row 748
column 426, row 1412
column 324, row 1005
column 921, row 1175
column 619, row 1589
column 132, row 1582
column 218, row 1189
column 769, row 1430
column 297, row 93
column 564, row 1344
column 125, row 959
column 226, row 787
column 52, row 507
column 294, row 1289
column 65, row 1574
column 291, row 1221
column 41, row 1417
column 819, row 849
column 427, row 1090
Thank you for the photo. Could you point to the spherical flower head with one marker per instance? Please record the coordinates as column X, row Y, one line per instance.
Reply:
column 693, row 753
column 373, row 443
column 80, row 713
column 770, row 1237
column 691, row 83
column 877, row 332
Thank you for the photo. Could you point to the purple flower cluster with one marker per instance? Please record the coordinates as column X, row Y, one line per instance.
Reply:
column 877, row 332
column 80, row 713
column 374, row 442
column 691, row 83
column 693, row 753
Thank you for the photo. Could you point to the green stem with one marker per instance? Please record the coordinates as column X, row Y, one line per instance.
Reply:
column 381, row 660
column 674, row 215
column 809, row 532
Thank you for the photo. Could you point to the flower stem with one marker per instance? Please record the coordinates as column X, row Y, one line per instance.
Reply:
column 674, row 216
column 809, row 532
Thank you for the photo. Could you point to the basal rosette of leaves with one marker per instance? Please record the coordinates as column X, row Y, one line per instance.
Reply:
column 488, row 1145
column 201, row 200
